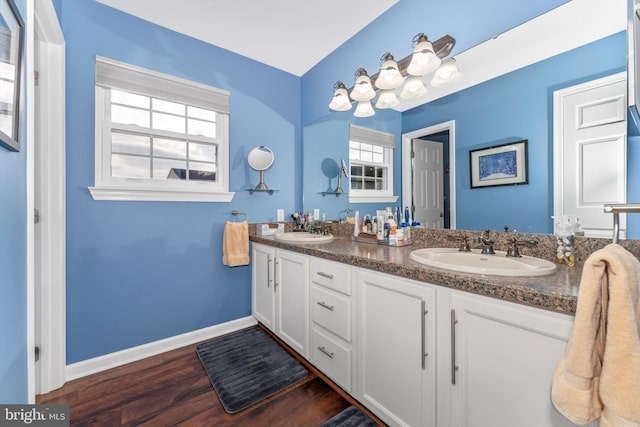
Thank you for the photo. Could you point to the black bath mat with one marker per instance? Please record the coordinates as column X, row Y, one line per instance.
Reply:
column 247, row 366
column 350, row 417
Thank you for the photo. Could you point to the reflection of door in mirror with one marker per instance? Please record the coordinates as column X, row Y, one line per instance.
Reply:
column 428, row 183
column 590, row 152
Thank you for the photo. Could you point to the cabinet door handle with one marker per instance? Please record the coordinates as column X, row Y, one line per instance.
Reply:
column 423, row 353
column 323, row 274
column 275, row 274
column 325, row 351
column 325, row 305
column 454, row 367
column 268, row 270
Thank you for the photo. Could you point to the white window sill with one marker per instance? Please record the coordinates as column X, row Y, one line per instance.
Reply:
column 372, row 199
column 157, row 195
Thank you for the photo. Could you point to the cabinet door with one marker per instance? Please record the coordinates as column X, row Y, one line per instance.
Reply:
column 262, row 286
column 505, row 355
column 292, row 300
column 396, row 343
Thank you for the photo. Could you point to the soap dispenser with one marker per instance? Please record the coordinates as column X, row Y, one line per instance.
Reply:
column 565, row 241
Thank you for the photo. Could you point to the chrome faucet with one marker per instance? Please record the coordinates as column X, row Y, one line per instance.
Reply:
column 464, row 242
column 345, row 212
column 487, row 243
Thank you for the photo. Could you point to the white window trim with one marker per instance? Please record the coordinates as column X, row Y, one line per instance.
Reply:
column 377, row 138
column 107, row 188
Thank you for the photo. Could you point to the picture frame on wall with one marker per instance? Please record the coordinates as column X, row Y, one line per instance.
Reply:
column 11, row 53
column 504, row 164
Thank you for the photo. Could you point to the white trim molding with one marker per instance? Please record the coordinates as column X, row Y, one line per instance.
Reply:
column 152, row 195
column 119, row 358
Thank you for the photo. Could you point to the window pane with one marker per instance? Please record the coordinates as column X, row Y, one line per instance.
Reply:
column 128, row 115
column 168, row 122
column 366, row 156
column 354, row 154
column 378, row 149
column 202, row 171
column 354, row 144
column 365, row 147
column 169, row 169
column 168, row 106
column 356, row 170
column 369, row 184
column 201, row 113
column 380, row 172
column 130, row 144
column 124, row 166
column 131, row 99
column 378, row 158
column 199, row 127
column 369, row 171
column 169, row 148
column 205, row 152
column 380, row 185
column 356, row 184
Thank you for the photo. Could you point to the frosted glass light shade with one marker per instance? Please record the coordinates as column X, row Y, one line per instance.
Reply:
column 364, row 109
column 413, row 88
column 340, row 100
column 387, row 99
column 389, row 76
column 424, row 60
column 447, row 74
column 362, row 90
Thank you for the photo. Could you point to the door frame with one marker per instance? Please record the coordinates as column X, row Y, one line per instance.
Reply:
column 48, row 118
column 406, row 162
column 558, row 142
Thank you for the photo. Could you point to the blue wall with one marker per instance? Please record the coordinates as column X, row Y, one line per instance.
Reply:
column 13, row 256
column 142, row 271
column 518, row 105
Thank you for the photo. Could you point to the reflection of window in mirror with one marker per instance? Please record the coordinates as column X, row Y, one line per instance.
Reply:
column 370, row 165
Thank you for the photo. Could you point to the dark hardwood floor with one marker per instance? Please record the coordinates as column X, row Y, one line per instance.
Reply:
column 173, row 389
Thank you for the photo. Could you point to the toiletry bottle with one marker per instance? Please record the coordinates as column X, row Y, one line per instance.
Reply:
column 565, row 249
column 407, row 217
column 577, row 227
column 393, row 226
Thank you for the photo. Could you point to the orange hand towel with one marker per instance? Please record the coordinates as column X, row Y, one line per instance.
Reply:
column 599, row 373
column 235, row 244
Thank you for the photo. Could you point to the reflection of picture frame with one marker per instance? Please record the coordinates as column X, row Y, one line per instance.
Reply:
column 504, row 164
column 11, row 45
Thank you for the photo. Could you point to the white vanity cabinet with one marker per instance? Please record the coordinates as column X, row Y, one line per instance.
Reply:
column 396, row 335
column 280, row 294
column 498, row 365
column 332, row 314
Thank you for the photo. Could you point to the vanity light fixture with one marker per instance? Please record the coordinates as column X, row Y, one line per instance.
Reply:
column 406, row 74
column 447, row 74
column 340, row 100
column 363, row 89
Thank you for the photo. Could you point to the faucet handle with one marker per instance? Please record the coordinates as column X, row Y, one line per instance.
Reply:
column 464, row 242
column 515, row 244
column 487, row 243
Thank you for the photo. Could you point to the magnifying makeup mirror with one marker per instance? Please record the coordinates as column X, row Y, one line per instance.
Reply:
column 343, row 170
column 260, row 159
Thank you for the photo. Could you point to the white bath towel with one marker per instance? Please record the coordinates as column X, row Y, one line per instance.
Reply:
column 599, row 373
column 235, row 244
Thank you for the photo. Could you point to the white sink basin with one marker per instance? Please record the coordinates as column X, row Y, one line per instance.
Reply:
column 300, row 237
column 475, row 262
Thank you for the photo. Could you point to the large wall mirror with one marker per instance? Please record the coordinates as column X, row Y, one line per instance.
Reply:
column 512, row 107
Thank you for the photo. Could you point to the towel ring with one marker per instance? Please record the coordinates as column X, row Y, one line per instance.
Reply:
column 236, row 213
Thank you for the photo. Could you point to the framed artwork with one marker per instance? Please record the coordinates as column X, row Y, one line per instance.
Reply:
column 11, row 45
column 504, row 164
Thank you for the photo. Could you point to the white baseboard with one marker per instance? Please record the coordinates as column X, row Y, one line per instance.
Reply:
column 112, row 360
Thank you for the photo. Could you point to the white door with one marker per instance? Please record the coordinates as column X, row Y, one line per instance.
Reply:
column 263, row 290
column 590, row 126
column 428, row 184
column 396, row 351
column 292, row 300
column 502, row 363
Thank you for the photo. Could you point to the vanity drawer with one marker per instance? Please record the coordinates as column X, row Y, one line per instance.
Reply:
column 332, row 311
column 333, row 359
column 331, row 275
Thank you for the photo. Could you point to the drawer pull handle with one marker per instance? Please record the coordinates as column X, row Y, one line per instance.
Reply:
column 325, row 305
column 325, row 351
column 327, row 275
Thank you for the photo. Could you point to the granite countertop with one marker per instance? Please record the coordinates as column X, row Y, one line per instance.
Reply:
column 557, row 292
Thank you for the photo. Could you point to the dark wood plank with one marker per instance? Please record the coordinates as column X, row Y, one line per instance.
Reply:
column 172, row 389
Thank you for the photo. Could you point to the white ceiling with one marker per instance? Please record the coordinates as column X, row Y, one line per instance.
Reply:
column 274, row 31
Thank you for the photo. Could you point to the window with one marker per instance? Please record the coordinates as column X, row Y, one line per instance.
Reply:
column 159, row 137
column 371, row 166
